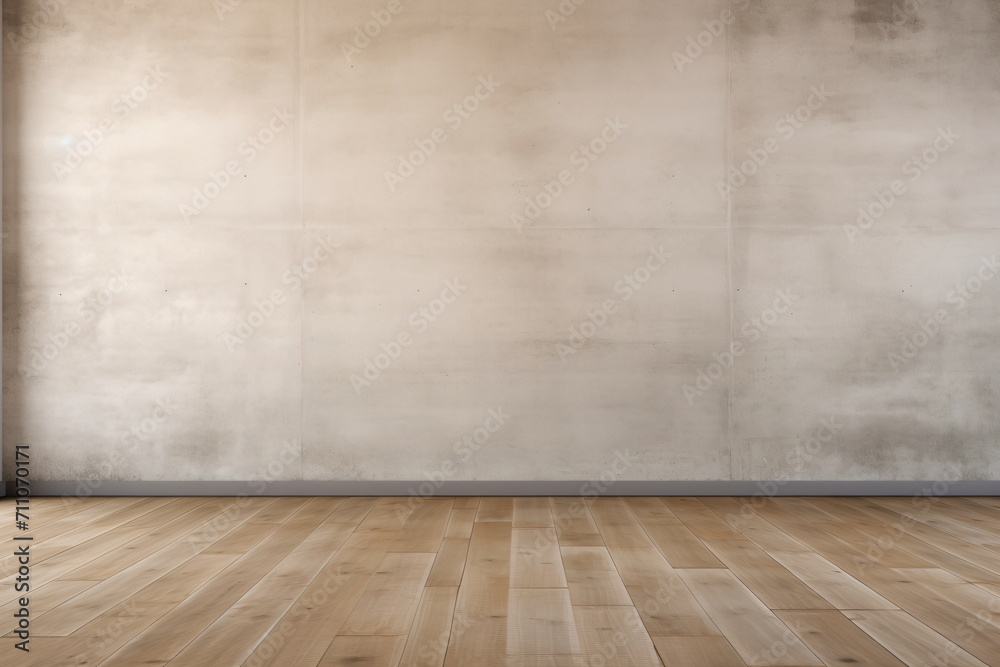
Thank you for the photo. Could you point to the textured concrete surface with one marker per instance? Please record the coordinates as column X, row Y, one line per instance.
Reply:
column 688, row 240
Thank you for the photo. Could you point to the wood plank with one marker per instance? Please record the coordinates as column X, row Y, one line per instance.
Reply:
column 427, row 640
column 244, row 538
column 449, row 563
column 547, row 661
column 839, row 588
column 467, row 503
column 48, row 540
column 984, row 558
column 234, row 635
column 835, row 639
column 773, row 584
column 885, row 538
column 676, row 542
column 356, row 650
column 57, row 544
column 81, row 609
column 355, row 512
column 697, row 652
column 574, row 524
column 964, row 512
column 936, row 517
column 740, row 513
column 168, row 635
column 949, row 619
column 224, row 591
column 90, row 513
column 700, row 520
column 754, row 631
column 48, row 510
column 927, row 606
column 842, row 510
column 734, row 511
column 305, row 631
column 479, row 631
column 885, row 551
column 460, row 523
column 115, row 540
column 199, row 529
column 648, row 508
column 974, row 509
column 805, row 509
column 540, row 622
column 282, row 510
column 46, row 652
column 424, row 528
column 389, row 602
column 986, row 501
column 617, row 524
column 992, row 588
column 496, row 509
column 109, row 631
column 616, row 635
column 50, row 597
column 593, row 578
column 665, row 605
column 535, row 561
column 979, row 601
column 910, row 640
column 532, row 513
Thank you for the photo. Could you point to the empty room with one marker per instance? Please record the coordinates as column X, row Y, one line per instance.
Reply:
column 520, row 333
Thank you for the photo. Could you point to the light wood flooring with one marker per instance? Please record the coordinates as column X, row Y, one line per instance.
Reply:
column 522, row 582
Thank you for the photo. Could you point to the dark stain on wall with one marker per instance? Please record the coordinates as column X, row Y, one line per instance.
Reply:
column 882, row 443
column 15, row 16
column 887, row 19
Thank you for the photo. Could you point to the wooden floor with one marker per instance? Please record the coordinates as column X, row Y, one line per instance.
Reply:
column 526, row 582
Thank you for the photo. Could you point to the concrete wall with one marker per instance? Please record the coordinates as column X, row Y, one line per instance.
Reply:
column 681, row 240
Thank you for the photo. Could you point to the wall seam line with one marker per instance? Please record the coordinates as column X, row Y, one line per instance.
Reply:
column 731, row 296
column 300, row 168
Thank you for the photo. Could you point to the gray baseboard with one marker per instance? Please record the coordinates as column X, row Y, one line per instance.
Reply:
column 515, row 488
